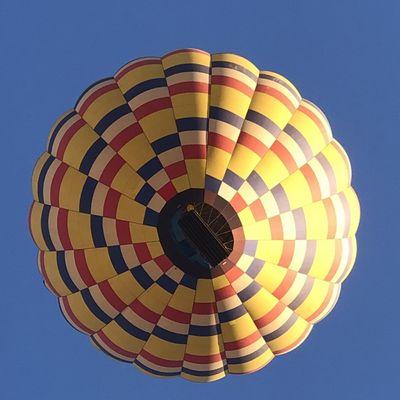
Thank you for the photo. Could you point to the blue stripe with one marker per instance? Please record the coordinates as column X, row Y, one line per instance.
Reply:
column 226, row 116
column 150, row 217
column 149, row 169
column 93, row 307
column 166, row 143
column 131, row 329
column 189, row 281
column 209, row 372
column 257, row 183
column 44, row 223
column 169, row 336
column 90, row 157
column 208, row 330
column 177, row 69
column 100, row 347
column 145, row 194
column 62, row 269
column 231, row 315
column 233, row 180
column 144, row 86
column 142, row 277
column 153, row 371
column 249, row 291
column 212, row 184
column 192, row 124
column 111, row 117
column 96, row 227
column 237, row 67
column 117, row 259
column 92, row 86
column 263, row 121
column 57, row 129
column 85, row 202
column 42, row 177
column 248, row 357
column 255, row 268
column 167, row 283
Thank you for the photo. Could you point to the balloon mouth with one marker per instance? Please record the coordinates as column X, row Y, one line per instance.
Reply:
column 195, row 235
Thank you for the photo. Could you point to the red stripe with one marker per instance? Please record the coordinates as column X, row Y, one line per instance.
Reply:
column 194, row 151
column 295, row 343
column 159, row 361
column 188, row 50
column 83, row 269
column 176, row 169
column 163, row 262
column 56, row 184
column 224, row 293
column 114, row 347
column 167, row 191
column 111, row 296
column 123, row 232
column 69, row 133
column 314, row 117
column 270, row 316
column 221, row 142
column 331, row 218
column 258, row 210
column 238, row 203
column 312, row 181
column 125, row 136
column 322, row 307
column 142, row 252
column 232, row 83
column 233, row 273
column 142, row 311
column 204, row 308
column 135, row 65
column 188, row 87
column 152, row 107
column 72, row 317
column 111, row 203
column 239, row 344
column 276, row 227
column 62, row 228
column 95, row 95
column 111, row 169
column 252, row 143
column 287, row 253
column 278, row 95
column 336, row 261
column 285, row 285
column 284, row 156
column 43, row 271
column 177, row 315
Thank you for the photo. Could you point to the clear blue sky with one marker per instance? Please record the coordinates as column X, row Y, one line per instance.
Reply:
column 343, row 55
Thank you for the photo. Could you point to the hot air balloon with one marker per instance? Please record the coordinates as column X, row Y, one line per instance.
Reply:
column 194, row 215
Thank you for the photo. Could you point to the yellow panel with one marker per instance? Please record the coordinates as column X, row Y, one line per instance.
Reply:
column 53, row 275
column 137, row 152
column 79, row 145
column 35, row 224
column 82, row 312
column 99, row 263
column 126, row 287
column 71, row 189
column 79, row 231
column 102, row 106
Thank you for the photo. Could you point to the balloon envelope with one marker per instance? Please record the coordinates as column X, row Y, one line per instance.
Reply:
column 194, row 215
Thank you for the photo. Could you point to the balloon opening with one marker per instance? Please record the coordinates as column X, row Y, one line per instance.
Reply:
column 208, row 230
column 195, row 235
